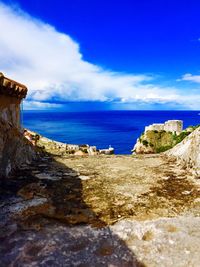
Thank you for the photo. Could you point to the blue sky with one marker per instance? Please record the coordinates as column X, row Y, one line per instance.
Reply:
column 119, row 54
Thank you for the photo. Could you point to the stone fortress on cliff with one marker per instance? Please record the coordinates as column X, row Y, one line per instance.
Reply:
column 174, row 126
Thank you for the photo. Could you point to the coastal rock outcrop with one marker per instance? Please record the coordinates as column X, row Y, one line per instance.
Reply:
column 153, row 141
column 161, row 137
column 59, row 148
column 188, row 152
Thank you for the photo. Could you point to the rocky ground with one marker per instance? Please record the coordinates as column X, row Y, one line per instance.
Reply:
column 100, row 211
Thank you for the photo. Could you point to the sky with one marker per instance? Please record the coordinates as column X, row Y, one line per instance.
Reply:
column 77, row 54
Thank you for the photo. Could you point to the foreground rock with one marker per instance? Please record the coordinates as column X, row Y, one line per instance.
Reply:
column 188, row 152
column 100, row 211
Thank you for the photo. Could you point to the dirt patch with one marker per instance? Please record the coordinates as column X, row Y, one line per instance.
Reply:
column 63, row 217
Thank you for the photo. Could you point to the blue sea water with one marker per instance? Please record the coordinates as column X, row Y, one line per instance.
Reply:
column 120, row 129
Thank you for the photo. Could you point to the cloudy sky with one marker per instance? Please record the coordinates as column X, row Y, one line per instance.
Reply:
column 121, row 55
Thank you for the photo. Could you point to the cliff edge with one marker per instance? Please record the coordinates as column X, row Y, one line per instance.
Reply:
column 159, row 138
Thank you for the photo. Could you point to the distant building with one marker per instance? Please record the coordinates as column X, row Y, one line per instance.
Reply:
column 174, row 126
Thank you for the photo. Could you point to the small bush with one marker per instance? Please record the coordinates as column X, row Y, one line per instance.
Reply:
column 181, row 136
column 145, row 142
column 151, row 145
column 163, row 149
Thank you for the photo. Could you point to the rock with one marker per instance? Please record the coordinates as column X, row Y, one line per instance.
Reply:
column 47, row 176
column 92, row 150
column 188, row 152
column 141, row 148
column 109, row 151
column 31, row 190
column 72, row 174
column 154, row 141
column 22, row 206
column 84, row 177
column 79, row 153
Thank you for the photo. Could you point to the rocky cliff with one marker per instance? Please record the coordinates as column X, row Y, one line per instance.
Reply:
column 153, row 141
column 188, row 152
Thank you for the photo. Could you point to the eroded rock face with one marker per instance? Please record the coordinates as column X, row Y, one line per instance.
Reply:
column 154, row 142
column 140, row 148
column 188, row 152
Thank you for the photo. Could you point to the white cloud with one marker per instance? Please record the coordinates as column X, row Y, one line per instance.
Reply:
column 51, row 65
column 30, row 105
column 191, row 78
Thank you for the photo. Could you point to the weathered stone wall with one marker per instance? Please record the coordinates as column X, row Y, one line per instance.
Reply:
column 173, row 126
column 14, row 148
column 10, row 110
column 155, row 127
column 168, row 126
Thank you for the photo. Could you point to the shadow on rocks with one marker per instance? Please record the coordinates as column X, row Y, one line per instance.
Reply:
column 45, row 221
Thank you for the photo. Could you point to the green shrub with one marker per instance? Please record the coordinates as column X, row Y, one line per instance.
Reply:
column 145, row 142
column 174, row 136
column 163, row 149
column 181, row 136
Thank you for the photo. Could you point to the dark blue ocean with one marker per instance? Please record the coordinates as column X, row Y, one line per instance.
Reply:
column 120, row 129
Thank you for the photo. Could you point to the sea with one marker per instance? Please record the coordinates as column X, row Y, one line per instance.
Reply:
column 119, row 129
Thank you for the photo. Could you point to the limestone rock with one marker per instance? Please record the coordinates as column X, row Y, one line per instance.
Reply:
column 188, row 152
column 157, row 141
column 79, row 153
column 154, row 142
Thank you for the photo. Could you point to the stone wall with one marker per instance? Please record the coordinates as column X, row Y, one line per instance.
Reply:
column 169, row 126
column 155, row 127
column 15, row 150
column 10, row 110
column 173, row 126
